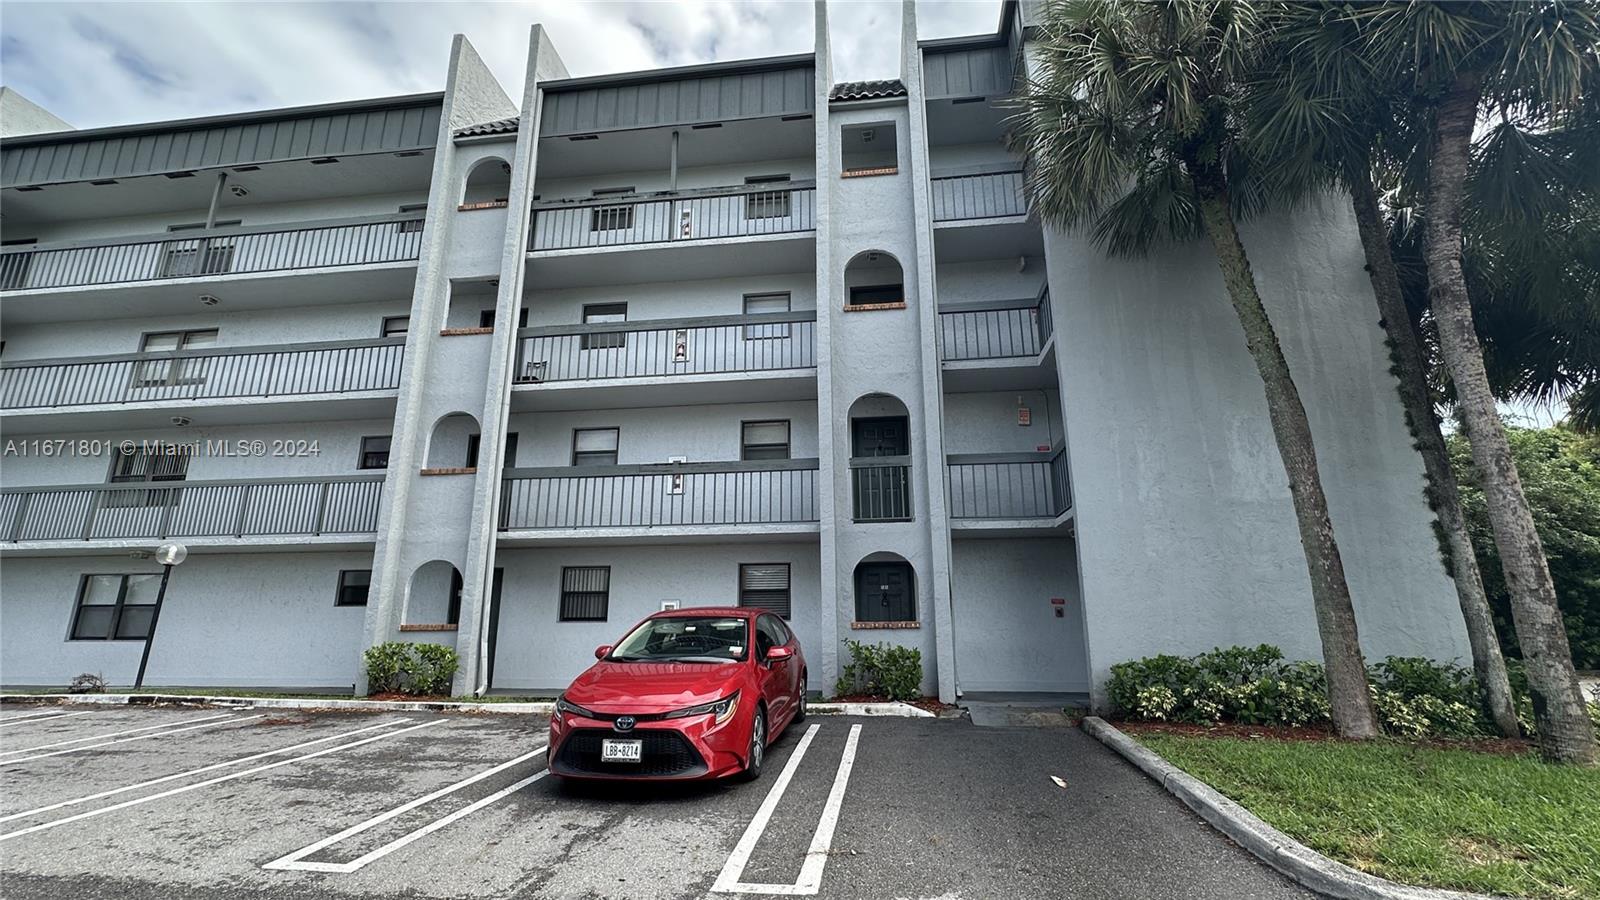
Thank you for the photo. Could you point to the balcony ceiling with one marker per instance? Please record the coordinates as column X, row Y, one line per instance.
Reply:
column 381, row 173
column 965, row 123
column 650, row 149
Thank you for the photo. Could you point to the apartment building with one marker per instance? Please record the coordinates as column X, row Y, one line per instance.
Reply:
column 508, row 374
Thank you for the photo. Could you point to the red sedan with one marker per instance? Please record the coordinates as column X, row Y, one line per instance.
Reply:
column 687, row 694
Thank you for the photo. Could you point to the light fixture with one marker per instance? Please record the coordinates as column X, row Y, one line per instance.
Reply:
column 210, row 299
column 181, row 421
column 238, row 190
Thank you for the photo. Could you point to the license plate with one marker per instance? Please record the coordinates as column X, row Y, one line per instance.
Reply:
column 621, row 751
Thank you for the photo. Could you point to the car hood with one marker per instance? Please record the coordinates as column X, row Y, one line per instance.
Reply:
column 621, row 687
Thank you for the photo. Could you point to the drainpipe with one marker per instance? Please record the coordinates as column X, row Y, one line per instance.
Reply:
column 216, row 200
column 673, row 185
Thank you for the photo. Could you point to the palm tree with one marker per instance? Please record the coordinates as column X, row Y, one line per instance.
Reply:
column 1316, row 107
column 1129, row 129
column 1528, row 62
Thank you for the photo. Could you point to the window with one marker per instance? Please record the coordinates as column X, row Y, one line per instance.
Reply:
column 877, row 293
column 411, row 226
column 611, row 218
column 599, row 313
column 885, row 592
column 198, row 255
column 765, row 440
column 595, row 446
column 115, row 607
column 139, row 466
column 510, row 461
column 394, row 326
column 585, row 593
column 756, row 304
column 765, row 586
column 375, row 452
column 773, row 204
column 486, row 318
column 353, row 587
column 170, row 372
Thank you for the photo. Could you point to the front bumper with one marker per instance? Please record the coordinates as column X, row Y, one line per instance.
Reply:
column 673, row 749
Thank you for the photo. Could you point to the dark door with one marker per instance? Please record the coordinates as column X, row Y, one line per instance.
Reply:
column 494, row 622
column 879, row 437
column 884, row 594
column 882, row 492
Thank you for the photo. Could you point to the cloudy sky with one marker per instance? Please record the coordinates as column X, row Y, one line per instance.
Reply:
column 111, row 63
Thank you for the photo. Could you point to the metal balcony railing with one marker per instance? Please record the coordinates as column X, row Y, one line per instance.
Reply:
column 674, row 216
column 699, row 493
column 346, row 504
column 880, row 488
column 703, row 345
column 333, row 367
column 984, row 196
column 1008, row 485
column 220, row 251
column 998, row 329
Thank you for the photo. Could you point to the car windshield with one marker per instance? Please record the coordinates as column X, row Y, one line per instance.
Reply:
column 691, row 639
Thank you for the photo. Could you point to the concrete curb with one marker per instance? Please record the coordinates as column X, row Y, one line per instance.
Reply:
column 902, row 710
column 1271, row 846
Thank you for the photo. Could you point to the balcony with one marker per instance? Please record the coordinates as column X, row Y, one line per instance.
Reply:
column 220, row 252
column 990, row 195
column 997, row 345
column 221, row 512
column 45, row 392
column 989, row 490
column 730, row 358
column 772, row 496
column 675, row 235
column 880, row 489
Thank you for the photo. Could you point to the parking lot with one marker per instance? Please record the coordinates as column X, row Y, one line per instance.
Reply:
column 114, row 802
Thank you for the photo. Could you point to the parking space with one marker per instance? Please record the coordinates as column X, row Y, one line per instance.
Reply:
column 212, row 803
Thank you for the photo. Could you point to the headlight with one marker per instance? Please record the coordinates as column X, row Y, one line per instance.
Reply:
column 572, row 709
column 723, row 709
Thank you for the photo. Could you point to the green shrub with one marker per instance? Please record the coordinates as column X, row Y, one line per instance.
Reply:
column 882, row 670
column 1255, row 686
column 400, row 667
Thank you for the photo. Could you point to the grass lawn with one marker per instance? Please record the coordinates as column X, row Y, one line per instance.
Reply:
column 1446, row 818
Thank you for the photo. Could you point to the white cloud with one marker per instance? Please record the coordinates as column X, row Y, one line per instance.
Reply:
column 98, row 64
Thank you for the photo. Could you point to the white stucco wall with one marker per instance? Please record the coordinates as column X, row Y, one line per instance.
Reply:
column 1186, row 532
column 243, row 620
column 653, row 435
column 1007, row 635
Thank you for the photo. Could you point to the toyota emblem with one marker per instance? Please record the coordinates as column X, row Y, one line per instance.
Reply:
column 623, row 723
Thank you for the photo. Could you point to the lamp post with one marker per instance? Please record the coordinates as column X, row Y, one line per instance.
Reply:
column 168, row 555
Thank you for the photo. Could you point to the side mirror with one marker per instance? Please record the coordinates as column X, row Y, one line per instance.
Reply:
column 602, row 651
column 779, row 654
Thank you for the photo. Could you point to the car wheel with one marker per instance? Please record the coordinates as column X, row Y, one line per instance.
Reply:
column 758, row 747
column 800, row 702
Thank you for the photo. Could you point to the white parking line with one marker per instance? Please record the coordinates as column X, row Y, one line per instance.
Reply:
column 197, row 785
column 810, row 880
column 29, row 720
column 109, row 734
column 36, row 714
column 293, row 860
column 200, row 771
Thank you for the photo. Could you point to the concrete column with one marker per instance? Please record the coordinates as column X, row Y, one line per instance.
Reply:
column 827, row 655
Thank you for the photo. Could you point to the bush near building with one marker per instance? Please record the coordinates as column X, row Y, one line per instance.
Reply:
column 422, row 670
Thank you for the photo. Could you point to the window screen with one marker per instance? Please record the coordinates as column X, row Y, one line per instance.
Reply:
column 169, row 371
column 585, row 593
column 765, row 440
column 595, row 446
column 394, row 326
column 765, row 586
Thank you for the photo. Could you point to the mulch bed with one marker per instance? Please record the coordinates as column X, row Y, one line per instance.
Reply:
column 413, row 698
column 1500, row 746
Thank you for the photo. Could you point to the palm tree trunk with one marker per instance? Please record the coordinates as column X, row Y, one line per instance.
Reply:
column 1405, row 349
column 1565, row 733
column 1349, row 697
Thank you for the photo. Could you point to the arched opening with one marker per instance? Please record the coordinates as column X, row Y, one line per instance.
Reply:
column 885, row 589
column 489, row 182
column 450, row 440
column 880, row 459
column 434, row 596
column 873, row 279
